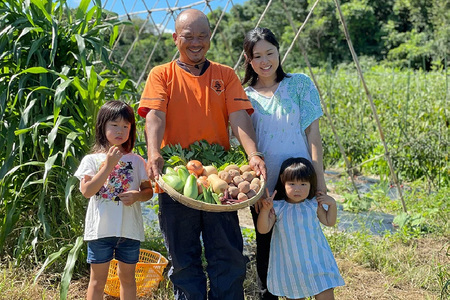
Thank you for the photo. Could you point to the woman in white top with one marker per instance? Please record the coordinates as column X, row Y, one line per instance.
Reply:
column 286, row 120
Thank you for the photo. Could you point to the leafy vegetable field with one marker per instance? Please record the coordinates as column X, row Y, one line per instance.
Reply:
column 413, row 110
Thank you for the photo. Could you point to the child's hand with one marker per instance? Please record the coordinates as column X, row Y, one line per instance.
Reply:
column 129, row 197
column 113, row 156
column 322, row 199
column 267, row 203
column 266, row 217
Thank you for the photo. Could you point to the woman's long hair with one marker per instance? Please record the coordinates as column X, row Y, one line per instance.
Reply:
column 250, row 40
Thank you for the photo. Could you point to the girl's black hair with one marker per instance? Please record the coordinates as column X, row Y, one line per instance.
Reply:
column 250, row 40
column 296, row 168
column 111, row 111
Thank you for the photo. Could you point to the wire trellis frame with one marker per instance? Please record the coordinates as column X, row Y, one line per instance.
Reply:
column 170, row 13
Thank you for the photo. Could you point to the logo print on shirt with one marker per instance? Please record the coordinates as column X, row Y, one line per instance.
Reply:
column 218, row 86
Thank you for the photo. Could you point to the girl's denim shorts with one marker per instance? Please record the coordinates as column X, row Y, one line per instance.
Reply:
column 105, row 249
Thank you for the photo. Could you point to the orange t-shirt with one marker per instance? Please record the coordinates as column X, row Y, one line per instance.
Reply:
column 196, row 107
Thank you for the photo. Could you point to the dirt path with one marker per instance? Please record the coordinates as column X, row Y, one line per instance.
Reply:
column 363, row 283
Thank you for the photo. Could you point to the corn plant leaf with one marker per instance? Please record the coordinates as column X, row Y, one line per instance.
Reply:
column 54, row 131
column 31, row 163
column 35, row 70
column 113, row 36
column 11, row 217
column 68, row 269
column 37, row 44
column 92, row 83
column 8, row 222
column 100, row 88
column 81, row 49
column 69, row 140
column 26, row 113
column 24, row 32
column 42, row 216
column 121, row 87
column 54, row 45
column 7, row 163
column 51, row 259
column 81, row 89
column 82, row 8
column 6, row 30
column 60, row 97
column 91, row 13
column 40, row 5
column 49, row 164
column 70, row 186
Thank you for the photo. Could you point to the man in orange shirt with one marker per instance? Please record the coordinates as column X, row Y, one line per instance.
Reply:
column 184, row 101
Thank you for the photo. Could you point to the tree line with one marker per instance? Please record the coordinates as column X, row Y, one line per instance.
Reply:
column 399, row 33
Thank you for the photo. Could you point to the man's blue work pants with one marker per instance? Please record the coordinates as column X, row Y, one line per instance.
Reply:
column 184, row 230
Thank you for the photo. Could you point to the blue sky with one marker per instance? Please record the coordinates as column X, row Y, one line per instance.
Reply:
column 159, row 16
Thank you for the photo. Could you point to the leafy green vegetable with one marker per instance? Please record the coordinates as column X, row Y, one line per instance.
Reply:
column 208, row 154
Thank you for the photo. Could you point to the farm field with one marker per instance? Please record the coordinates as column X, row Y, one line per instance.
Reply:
column 56, row 72
column 411, row 263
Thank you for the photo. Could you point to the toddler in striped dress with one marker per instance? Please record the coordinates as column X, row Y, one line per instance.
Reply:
column 301, row 263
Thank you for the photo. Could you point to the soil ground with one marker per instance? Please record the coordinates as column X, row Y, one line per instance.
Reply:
column 362, row 283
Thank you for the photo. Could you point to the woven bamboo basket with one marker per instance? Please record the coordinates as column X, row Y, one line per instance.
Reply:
column 196, row 204
column 149, row 272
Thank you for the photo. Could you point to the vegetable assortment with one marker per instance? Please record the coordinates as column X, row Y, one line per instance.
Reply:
column 209, row 173
column 231, row 185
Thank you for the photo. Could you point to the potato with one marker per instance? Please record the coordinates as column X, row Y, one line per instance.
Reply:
column 233, row 191
column 233, row 173
column 245, row 168
column 230, row 167
column 256, row 180
column 242, row 196
column 208, row 170
column 251, row 193
column 237, row 179
column 255, row 187
column 248, row 176
column 224, row 175
column 244, row 187
column 218, row 185
column 212, row 177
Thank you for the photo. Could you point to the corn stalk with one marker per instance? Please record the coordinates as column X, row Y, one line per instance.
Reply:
column 54, row 75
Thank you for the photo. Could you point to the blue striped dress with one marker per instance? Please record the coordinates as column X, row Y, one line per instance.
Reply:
column 301, row 263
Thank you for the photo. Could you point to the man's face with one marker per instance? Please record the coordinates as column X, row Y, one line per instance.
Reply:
column 192, row 39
